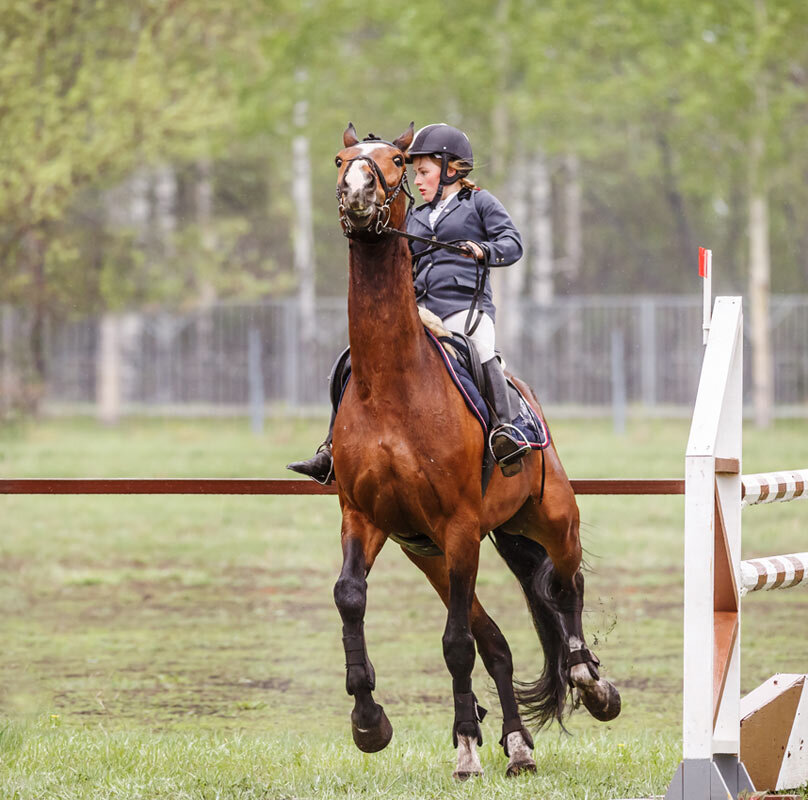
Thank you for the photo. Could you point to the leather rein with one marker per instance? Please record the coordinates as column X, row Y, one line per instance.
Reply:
column 382, row 227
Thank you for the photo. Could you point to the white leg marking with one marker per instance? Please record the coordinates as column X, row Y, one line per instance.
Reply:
column 468, row 762
column 580, row 674
column 520, row 753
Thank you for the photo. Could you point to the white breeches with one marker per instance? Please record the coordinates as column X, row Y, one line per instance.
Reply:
column 483, row 337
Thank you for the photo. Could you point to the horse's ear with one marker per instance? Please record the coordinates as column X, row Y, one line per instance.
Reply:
column 349, row 138
column 405, row 140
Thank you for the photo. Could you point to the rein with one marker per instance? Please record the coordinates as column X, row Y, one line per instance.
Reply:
column 453, row 247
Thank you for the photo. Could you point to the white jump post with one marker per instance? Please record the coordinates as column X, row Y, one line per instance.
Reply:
column 716, row 579
column 711, row 766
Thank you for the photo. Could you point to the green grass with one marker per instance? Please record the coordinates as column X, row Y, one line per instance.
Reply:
column 189, row 647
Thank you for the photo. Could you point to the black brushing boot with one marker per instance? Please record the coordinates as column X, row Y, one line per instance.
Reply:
column 320, row 466
column 506, row 441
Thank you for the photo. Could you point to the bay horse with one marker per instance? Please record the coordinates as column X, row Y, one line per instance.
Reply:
column 398, row 472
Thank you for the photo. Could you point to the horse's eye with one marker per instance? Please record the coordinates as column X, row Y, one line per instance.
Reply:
column 398, row 161
column 338, row 161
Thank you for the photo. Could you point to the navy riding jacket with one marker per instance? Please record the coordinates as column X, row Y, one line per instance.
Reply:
column 445, row 281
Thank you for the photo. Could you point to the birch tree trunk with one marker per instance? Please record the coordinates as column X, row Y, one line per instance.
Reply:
column 35, row 248
column 108, row 372
column 109, row 378
column 500, row 123
column 541, row 230
column 573, row 228
column 205, row 350
column 759, row 292
column 303, row 236
column 203, row 208
column 508, row 283
column 759, row 252
column 10, row 379
column 165, row 207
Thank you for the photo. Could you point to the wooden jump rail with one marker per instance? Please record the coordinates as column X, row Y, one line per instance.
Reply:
column 269, row 486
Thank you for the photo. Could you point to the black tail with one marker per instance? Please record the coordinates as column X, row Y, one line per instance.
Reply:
column 544, row 700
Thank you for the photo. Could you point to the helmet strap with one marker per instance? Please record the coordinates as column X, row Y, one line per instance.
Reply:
column 445, row 180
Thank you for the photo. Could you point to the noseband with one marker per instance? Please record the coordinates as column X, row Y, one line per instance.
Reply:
column 383, row 211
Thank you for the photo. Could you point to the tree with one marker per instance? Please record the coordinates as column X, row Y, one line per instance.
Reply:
column 89, row 90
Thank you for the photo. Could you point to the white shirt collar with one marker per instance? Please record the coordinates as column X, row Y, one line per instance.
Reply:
column 440, row 208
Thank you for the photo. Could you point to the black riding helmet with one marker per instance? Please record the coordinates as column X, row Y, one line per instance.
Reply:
column 447, row 142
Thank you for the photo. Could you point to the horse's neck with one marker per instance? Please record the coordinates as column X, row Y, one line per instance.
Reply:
column 386, row 334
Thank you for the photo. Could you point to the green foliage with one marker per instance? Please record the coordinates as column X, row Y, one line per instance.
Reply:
column 656, row 99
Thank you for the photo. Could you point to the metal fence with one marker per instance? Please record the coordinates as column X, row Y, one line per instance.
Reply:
column 203, row 362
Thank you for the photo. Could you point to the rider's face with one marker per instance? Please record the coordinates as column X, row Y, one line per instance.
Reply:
column 427, row 176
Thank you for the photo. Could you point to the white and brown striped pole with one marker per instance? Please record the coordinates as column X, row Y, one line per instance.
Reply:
column 774, row 487
column 774, row 572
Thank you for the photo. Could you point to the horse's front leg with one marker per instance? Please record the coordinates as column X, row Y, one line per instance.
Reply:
column 462, row 556
column 361, row 543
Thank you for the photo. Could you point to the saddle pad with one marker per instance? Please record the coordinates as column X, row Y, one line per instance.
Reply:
column 527, row 421
column 461, row 378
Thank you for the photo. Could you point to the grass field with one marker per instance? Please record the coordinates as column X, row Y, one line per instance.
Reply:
column 189, row 647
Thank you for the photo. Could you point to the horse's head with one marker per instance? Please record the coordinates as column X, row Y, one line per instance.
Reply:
column 372, row 174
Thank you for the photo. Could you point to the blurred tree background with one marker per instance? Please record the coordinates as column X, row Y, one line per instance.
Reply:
column 176, row 152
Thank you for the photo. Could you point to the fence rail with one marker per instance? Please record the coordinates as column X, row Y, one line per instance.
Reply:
column 204, row 362
column 267, row 486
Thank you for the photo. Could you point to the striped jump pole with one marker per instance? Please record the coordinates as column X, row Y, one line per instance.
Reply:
column 774, row 487
column 774, row 572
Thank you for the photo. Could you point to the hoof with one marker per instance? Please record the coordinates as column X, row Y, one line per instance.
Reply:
column 520, row 768
column 371, row 740
column 602, row 700
column 464, row 776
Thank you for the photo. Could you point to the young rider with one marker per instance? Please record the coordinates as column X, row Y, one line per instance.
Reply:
column 445, row 281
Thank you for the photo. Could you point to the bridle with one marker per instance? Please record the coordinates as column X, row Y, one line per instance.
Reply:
column 383, row 218
column 383, row 211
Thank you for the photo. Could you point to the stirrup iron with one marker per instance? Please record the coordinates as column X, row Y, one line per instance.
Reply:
column 509, row 446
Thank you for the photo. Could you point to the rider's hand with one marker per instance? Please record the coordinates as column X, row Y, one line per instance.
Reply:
column 475, row 251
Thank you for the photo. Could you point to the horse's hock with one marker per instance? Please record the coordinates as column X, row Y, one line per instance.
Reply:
column 731, row 745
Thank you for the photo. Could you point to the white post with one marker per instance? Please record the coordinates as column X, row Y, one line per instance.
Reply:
column 711, row 716
column 697, row 716
column 715, row 432
column 727, row 734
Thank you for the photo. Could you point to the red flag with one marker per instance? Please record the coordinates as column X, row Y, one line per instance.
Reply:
column 702, row 263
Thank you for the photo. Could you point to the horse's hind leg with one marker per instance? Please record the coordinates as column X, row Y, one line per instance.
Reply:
column 496, row 656
column 361, row 543
column 554, row 589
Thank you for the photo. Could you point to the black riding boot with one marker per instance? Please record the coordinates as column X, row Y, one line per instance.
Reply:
column 320, row 466
column 507, row 442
